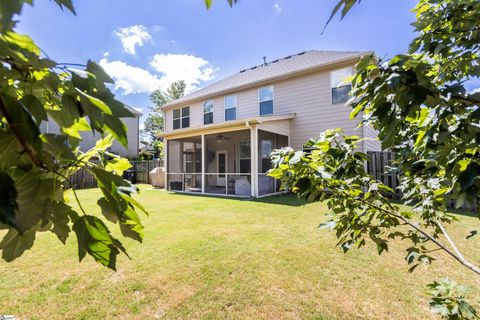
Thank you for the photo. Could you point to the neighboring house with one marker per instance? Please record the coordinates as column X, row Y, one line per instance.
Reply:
column 219, row 138
column 89, row 139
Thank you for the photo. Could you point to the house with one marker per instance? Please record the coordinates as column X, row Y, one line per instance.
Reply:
column 89, row 139
column 218, row 139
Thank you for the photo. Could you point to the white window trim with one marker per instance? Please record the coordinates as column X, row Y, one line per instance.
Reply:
column 213, row 111
column 225, row 107
column 273, row 99
column 181, row 117
column 330, row 83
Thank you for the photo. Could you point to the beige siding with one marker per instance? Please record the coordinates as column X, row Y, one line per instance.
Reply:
column 308, row 96
column 371, row 143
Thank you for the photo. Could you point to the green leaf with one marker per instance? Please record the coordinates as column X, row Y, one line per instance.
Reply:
column 7, row 10
column 15, row 243
column 133, row 202
column 34, row 191
column 67, row 4
column 130, row 225
column 88, row 100
column 99, row 72
column 11, row 154
column 117, row 128
column 346, row 4
column 8, row 200
column 208, row 3
column 109, row 209
column 60, row 214
column 22, row 41
column 95, row 239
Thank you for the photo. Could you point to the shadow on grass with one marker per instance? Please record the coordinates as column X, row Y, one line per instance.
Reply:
column 280, row 199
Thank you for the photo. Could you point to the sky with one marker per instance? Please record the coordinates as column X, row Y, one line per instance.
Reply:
column 147, row 44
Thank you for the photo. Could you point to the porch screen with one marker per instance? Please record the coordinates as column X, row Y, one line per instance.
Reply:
column 245, row 157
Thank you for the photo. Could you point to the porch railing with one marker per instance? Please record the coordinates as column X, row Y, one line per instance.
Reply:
column 229, row 183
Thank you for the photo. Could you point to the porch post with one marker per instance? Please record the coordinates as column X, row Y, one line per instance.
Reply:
column 254, row 159
column 165, row 161
column 203, row 163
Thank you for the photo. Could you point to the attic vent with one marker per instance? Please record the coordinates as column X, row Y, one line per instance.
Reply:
column 302, row 53
column 253, row 68
column 287, row 57
column 275, row 61
column 242, row 71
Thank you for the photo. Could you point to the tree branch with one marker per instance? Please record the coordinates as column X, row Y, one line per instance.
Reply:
column 455, row 255
column 459, row 254
column 26, row 147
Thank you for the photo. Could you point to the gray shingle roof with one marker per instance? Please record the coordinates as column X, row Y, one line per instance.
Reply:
column 277, row 68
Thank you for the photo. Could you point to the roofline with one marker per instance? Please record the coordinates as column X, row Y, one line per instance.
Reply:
column 225, row 125
column 288, row 75
column 132, row 110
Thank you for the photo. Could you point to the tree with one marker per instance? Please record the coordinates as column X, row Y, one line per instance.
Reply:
column 154, row 123
column 35, row 167
column 424, row 114
column 174, row 92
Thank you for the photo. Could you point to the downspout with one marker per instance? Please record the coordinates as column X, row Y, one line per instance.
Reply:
column 248, row 125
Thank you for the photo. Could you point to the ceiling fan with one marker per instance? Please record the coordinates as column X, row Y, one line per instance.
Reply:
column 221, row 138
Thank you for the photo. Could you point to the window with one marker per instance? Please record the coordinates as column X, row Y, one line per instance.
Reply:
column 230, row 108
column 181, row 118
column 266, row 150
column 340, row 85
column 208, row 112
column 245, row 157
column 266, row 100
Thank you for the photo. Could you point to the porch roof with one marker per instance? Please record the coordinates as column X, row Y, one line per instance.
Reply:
column 227, row 126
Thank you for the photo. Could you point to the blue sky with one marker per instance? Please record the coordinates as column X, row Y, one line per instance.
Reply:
column 146, row 44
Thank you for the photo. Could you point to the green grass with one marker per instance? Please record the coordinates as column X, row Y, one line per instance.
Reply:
column 211, row 258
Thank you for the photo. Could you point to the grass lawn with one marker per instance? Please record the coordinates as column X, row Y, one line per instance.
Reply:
column 211, row 258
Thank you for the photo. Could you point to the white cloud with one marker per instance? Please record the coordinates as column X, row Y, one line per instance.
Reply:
column 168, row 67
column 130, row 79
column 133, row 36
column 277, row 7
column 174, row 67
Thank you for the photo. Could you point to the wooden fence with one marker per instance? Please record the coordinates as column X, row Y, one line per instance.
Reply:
column 139, row 173
column 378, row 166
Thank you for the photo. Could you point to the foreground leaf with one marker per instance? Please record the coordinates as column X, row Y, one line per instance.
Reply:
column 15, row 243
column 95, row 239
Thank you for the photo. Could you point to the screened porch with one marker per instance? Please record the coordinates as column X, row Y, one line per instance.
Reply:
column 223, row 163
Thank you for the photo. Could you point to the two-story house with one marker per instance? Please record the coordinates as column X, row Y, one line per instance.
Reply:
column 89, row 138
column 219, row 139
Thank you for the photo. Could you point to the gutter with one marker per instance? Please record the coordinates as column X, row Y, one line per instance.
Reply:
column 247, row 122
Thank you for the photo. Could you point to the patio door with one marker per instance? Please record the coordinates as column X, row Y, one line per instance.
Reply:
column 222, row 163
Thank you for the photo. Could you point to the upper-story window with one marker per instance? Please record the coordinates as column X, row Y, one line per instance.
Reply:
column 266, row 100
column 208, row 112
column 340, row 85
column 230, row 108
column 181, row 118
